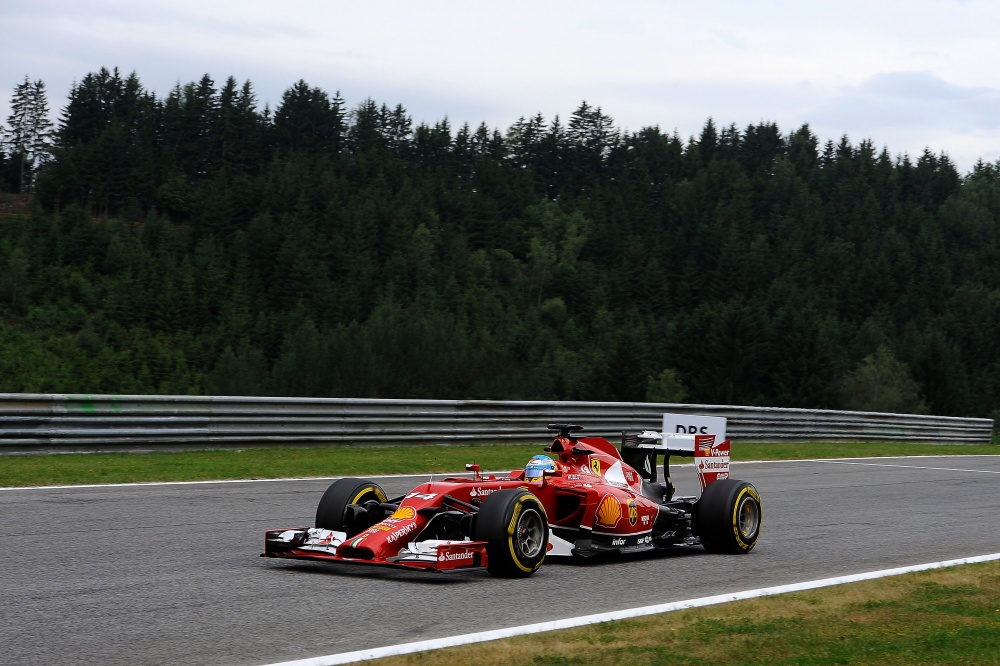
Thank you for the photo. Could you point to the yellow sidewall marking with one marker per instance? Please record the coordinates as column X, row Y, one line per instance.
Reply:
column 510, row 535
column 378, row 493
column 513, row 519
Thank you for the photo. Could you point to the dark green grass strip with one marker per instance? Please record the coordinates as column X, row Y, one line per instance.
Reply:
column 272, row 463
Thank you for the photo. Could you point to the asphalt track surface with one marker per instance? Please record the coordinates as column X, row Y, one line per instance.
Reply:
column 170, row 574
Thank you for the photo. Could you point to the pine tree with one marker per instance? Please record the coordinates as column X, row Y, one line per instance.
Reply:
column 29, row 133
column 307, row 121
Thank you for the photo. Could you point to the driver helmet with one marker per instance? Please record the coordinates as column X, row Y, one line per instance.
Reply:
column 536, row 467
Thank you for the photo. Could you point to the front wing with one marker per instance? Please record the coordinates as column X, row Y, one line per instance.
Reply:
column 313, row 543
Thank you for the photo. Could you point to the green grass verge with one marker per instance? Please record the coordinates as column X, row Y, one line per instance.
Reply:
column 944, row 616
column 274, row 463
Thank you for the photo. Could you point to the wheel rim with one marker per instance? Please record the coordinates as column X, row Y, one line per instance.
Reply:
column 748, row 517
column 530, row 533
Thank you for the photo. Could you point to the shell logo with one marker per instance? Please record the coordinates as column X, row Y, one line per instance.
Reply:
column 403, row 513
column 609, row 512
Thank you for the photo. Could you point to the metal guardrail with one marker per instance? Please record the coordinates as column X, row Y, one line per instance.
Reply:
column 38, row 423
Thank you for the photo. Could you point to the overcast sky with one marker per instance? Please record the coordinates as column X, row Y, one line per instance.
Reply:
column 908, row 75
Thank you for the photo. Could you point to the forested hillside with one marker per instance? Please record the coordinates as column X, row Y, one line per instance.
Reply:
column 198, row 243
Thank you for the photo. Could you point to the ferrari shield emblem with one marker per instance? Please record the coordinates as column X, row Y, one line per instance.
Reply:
column 595, row 465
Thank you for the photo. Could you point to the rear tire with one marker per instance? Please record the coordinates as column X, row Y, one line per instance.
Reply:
column 516, row 531
column 330, row 512
column 728, row 517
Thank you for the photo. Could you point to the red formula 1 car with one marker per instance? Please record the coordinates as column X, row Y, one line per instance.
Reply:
column 588, row 498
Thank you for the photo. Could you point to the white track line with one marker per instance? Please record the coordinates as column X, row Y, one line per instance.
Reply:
column 805, row 460
column 146, row 484
column 568, row 623
column 939, row 469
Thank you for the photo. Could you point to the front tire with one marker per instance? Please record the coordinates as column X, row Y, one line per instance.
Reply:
column 729, row 517
column 330, row 512
column 516, row 531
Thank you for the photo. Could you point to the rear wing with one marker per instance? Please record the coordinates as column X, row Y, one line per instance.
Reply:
column 639, row 450
column 680, row 445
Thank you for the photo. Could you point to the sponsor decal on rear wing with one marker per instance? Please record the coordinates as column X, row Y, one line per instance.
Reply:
column 711, row 459
column 690, row 424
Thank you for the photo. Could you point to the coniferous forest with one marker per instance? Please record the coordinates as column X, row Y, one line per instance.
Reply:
column 200, row 244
